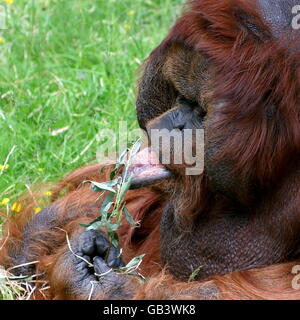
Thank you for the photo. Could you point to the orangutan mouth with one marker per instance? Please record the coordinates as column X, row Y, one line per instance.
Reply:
column 146, row 169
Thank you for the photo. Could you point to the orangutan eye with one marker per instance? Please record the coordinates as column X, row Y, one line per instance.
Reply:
column 194, row 105
column 182, row 101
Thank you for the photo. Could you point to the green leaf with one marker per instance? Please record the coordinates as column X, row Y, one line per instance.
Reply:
column 110, row 227
column 106, row 205
column 18, row 278
column 128, row 216
column 115, row 243
column 107, row 186
column 125, row 187
column 134, row 262
column 194, row 274
column 120, row 162
column 95, row 225
column 86, row 225
column 114, row 173
column 136, row 147
column 105, row 212
column 114, row 239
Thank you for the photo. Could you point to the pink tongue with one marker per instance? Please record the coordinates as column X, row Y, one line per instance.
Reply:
column 145, row 164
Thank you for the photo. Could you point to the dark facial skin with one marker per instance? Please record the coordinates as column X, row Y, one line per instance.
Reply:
column 185, row 115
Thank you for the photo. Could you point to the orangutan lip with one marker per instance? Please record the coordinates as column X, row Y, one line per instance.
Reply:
column 146, row 169
column 143, row 182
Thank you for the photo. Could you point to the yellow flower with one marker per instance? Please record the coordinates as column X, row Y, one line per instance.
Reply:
column 9, row 1
column 48, row 193
column 37, row 210
column 4, row 202
column 40, row 169
column 16, row 207
column 2, row 40
column 131, row 12
column 127, row 26
column 2, row 167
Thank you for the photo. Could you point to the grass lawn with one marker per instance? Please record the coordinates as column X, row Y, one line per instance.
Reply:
column 69, row 64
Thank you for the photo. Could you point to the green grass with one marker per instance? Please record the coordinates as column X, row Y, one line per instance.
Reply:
column 69, row 63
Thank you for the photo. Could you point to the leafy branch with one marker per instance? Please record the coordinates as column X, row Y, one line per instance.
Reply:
column 113, row 207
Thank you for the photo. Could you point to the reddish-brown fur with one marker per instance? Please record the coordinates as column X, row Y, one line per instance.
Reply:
column 272, row 282
column 211, row 27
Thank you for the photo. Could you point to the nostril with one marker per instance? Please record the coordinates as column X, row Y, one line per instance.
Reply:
column 179, row 126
